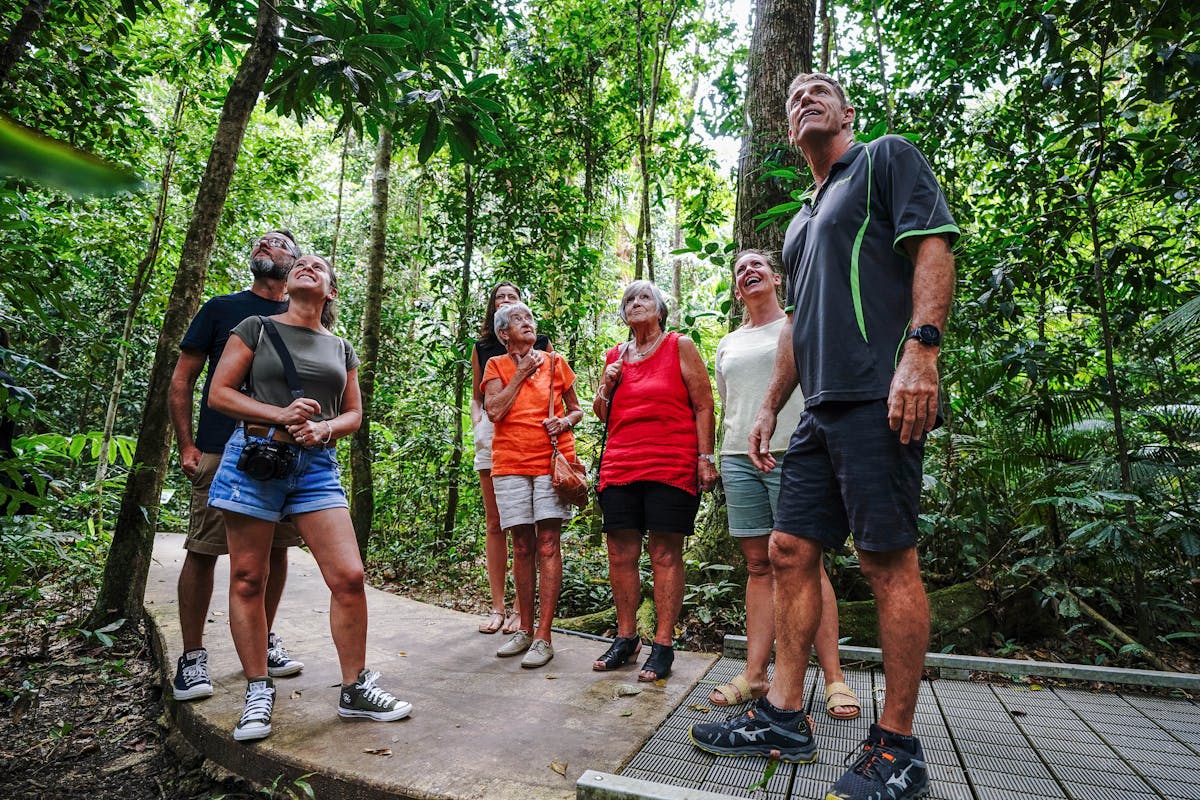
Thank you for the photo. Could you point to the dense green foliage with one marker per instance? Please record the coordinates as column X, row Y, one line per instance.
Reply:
column 1065, row 134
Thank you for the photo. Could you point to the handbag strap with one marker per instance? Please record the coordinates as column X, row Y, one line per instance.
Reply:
column 550, row 413
column 604, row 433
column 289, row 366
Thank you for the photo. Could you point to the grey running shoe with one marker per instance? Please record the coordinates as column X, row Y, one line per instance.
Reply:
column 888, row 766
column 279, row 663
column 539, row 655
column 517, row 643
column 763, row 731
column 365, row 700
column 191, row 676
column 256, row 718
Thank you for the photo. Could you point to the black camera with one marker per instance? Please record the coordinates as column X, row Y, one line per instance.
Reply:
column 265, row 460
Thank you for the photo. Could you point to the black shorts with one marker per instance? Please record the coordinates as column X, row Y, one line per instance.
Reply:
column 649, row 506
column 846, row 473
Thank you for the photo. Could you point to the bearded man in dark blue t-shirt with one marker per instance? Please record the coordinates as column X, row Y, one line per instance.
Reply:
column 870, row 280
column 271, row 257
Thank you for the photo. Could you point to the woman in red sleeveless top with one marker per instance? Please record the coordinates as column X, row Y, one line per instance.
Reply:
column 656, row 400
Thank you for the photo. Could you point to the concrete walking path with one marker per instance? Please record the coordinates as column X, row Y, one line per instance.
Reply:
column 482, row 727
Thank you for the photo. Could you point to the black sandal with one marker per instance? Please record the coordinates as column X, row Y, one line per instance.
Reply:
column 621, row 650
column 662, row 656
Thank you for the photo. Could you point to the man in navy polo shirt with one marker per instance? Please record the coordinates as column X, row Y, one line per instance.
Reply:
column 870, row 280
column 271, row 257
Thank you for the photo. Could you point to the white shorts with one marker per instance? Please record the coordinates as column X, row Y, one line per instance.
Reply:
column 483, row 431
column 526, row 499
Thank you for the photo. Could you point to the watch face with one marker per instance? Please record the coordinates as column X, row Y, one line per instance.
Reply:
column 927, row 334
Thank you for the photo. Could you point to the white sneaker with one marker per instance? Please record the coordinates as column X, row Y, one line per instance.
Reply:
column 256, row 718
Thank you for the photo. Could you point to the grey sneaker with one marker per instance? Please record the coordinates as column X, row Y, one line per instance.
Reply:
column 191, row 676
column 256, row 718
column 279, row 663
column 539, row 655
column 366, row 700
column 517, row 643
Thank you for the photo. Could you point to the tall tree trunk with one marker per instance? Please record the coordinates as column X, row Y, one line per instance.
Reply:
column 1115, row 401
column 780, row 48
column 884, row 84
column 677, row 239
column 827, row 23
column 362, row 455
column 460, row 367
column 648, row 95
column 337, row 217
column 140, row 278
column 123, row 586
column 30, row 20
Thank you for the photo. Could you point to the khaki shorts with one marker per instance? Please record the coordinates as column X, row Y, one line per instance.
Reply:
column 206, row 526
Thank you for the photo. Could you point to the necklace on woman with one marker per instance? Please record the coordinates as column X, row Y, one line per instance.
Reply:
column 643, row 353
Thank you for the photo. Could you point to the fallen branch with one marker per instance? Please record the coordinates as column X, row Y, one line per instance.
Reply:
column 1119, row 634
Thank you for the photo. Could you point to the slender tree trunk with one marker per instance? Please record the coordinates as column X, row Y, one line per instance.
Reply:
column 780, row 48
column 827, row 23
column 460, row 367
column 337, row 219
column 137, row 291
column 677, row 239
column 14, row 47
column 884, row 84
column 1108, row 336
column 123, row 586
column 362, row 455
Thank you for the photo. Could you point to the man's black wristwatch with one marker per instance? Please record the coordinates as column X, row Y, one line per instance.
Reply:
column 928, row 335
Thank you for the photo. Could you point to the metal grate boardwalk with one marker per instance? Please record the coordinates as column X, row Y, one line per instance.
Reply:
column 982, row 742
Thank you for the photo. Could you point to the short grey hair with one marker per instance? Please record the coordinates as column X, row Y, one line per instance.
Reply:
column 660, row 298
column 504, row 312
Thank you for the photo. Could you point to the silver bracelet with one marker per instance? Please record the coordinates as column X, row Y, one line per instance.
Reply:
column 329, row 432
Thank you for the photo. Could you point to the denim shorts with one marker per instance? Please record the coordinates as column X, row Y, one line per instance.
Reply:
column 206, row 528
column 750, row 495
column 314, row 484
column 846, row 474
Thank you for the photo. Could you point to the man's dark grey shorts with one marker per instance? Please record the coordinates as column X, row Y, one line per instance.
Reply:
column 846, row 473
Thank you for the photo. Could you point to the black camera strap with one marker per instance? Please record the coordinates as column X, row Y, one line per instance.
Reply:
column 289, row 366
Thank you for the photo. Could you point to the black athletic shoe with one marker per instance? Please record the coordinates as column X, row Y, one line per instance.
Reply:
column 366, row 700
column 191, row 676
column 888, row 767
column 279, row 663
column 762, row 730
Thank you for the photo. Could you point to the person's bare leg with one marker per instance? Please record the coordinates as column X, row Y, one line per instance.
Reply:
column 549, row 557
column 194, row 591
column 525, row 571
column 666, row 562
column 797, row 565
column 275, row 583
column 249, row 561
column 624, row 550
column 495, row 542
column 329, row 534
column 826, row 642
column 760, row 610
column 903, row 631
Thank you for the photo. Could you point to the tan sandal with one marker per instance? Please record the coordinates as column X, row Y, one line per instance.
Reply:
column 512, row 623
column 734, row 693
column 493, row 622
column 839, row 695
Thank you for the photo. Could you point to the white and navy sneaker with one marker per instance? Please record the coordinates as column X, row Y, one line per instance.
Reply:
column 366, row 700
column 279, row 663
column 191, row 676
column 256, row 718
